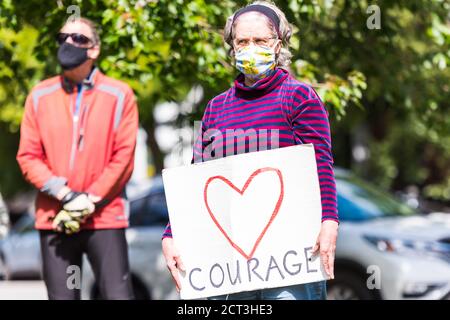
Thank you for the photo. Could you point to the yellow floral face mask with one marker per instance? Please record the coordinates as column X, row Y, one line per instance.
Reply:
column 256, row 62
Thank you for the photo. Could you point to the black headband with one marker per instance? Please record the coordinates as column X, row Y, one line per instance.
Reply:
column 268, row 12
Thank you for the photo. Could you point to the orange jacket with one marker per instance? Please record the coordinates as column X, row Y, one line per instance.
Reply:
column 93, row 152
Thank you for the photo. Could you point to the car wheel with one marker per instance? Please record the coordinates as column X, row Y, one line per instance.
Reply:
column 348, row 286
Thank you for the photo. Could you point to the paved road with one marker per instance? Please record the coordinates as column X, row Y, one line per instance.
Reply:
column 22, row 290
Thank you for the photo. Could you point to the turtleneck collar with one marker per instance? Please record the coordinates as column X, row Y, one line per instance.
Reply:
column 262, row 86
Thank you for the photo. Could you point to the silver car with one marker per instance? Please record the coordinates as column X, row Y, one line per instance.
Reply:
column 148, row 218
column 385, row 249
column 21, row 257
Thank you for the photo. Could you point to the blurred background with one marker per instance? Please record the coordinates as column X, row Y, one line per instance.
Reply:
column 381, row 67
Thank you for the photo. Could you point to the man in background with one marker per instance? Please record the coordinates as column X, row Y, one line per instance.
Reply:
column 77, row 143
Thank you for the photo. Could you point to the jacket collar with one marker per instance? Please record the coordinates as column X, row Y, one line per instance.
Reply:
column 88, row 83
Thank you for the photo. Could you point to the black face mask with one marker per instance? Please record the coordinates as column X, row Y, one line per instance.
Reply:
column 70, row 56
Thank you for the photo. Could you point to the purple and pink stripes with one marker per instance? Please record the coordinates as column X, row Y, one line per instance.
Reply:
column 275, row 108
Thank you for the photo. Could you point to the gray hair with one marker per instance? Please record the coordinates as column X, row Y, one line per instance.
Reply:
column 283, row 59
column 92, row 26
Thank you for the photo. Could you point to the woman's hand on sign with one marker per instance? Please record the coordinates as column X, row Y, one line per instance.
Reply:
column 173, row 260
column 326, row 245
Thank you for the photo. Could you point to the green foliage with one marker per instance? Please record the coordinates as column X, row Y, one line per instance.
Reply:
column 393, row 80
column 405, row 65
column 19, row 70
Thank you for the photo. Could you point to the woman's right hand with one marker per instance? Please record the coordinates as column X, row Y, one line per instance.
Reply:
column 173, row 260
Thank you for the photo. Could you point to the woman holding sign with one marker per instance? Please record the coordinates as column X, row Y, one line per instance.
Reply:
column 267, row 99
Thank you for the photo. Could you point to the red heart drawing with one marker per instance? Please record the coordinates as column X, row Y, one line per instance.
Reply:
column 241, row 192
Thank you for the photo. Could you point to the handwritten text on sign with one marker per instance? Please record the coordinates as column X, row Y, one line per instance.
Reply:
column 246, row 222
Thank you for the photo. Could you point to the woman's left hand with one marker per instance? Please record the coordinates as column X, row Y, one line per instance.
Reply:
column 326, row 245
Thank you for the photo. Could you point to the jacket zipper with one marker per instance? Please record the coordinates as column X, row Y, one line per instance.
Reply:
column 75, row 121
column 82, row 126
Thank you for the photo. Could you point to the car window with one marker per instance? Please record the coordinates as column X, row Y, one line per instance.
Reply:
column 23, row 225
column 359, row 200
column 149, row 210
column 157, row 205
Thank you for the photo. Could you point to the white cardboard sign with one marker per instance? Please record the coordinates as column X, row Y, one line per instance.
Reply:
column 246, row 222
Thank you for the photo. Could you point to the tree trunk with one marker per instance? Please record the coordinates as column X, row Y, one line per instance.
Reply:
column 156, row 154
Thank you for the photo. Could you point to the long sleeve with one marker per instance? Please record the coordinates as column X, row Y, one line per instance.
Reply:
column 311, row 125
column 168, row 231
column 118, row 171
column 31, row 154
column 204, row 137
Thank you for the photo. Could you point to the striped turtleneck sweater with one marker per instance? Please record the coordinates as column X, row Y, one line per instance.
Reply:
column 275, row 112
